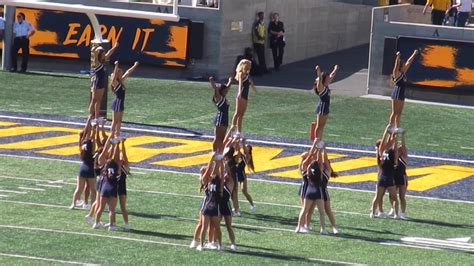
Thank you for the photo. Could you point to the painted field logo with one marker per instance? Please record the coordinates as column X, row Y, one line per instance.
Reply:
column 163, row 150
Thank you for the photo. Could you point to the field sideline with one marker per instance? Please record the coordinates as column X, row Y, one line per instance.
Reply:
column 40, row 115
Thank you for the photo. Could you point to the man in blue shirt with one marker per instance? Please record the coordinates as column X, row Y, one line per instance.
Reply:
column 22, row 30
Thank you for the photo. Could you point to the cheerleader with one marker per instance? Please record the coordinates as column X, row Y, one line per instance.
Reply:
column 224, row 208
column 98, row 77
column 221, row 120
column 304, row 185
column 323, row 201
column 243, row 77
column 321, row 88
column 86, row 170
column 400, row 178
column 210, row 210
column 398, row 94
column 118, row 88
column 387, row 155
column 122, row 185
column 241, row 161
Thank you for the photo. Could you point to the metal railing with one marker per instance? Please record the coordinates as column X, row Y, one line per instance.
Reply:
column 212, row 4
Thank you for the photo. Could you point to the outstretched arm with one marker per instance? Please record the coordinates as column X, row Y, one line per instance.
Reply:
column 129, row 71
column 217, row 95
column 333, row 73
column 104, row 155
column 229, row 82
column 396, row 67
column 252, row 84
column 115, row 72
column 318, row 84
column 111, row 51
column 410, row 60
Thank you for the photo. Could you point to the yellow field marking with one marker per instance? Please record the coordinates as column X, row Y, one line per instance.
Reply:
column 295, row 174
column 8, row 124
column 24, row 130
column 186, row 161
column 353, row 164
column 65, row 151
column 40, row 143
column 437, row 176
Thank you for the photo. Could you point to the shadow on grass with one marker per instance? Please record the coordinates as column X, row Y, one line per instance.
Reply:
column 373, row 231
column 439, row 223
column 163, row 127
column 272, row 218
column 162, row 235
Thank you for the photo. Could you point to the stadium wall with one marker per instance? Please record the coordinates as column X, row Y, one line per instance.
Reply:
column 446, row 76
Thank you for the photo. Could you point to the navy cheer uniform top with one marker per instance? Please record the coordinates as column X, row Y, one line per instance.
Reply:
column 246, row 87
column 224, row 203
column 86, row 169
column 109, row 185
column 211, row 203
column 324, row 101
column 118, row 105
column 240, row 169
column 98, row 77
column 387, row 165
column 399, row 174
column 398, row 92
column 222, row 116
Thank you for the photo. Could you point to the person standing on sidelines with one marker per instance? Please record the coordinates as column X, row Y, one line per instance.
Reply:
column 464, row 12
column 439, row 10
column 258, row 36
column 276, row 29
column 2, row 27
column 23, row 31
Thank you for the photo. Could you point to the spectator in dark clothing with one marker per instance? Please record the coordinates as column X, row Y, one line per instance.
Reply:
column 258, row 34
column 248, row 54
column 438, row 12
column 277, row 40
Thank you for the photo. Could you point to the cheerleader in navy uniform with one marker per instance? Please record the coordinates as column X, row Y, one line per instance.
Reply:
column 98, row 77
column 210, row 210
column 111, row 170
column 86, row 170
column 221, row 120
column 122, row 185
column 304, row 185
column 321, row 88
column 243, row 77
column 401, row 180
column 398, row 94
column 118, row 88
column 242, row 160
column 387, row 156
column 225, row 210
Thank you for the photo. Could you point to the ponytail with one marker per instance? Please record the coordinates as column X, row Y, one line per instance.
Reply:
column 249, row 156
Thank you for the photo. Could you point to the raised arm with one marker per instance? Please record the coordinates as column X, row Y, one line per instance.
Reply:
column 217, row 95
column 318, row 84
column 104, row 155
column 410, row 61
column 129, row 71
column 111, row 51
column 396, row 67
column 333, row 73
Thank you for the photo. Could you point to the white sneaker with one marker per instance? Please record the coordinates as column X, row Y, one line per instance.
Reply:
column 194, row 244
column 127, row 226
column 304, row 230
column 236, row 213
column 113, row 228
column 372, row 215
column 89, row 219
column 220, row 247
column 403, row 216
column 391, row 212
column 86, row 206
column 97, row 225
column 335, row 230
column 323, row 231
column 253, row 208
column 381, row 215
column 107, row 225
column 211, row 246
column 308, row 228
column 199, row 248
column 396, row 217
column 297, row 230
column 233, row 247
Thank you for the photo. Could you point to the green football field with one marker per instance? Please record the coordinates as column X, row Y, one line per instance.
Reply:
column 271, row 112
column 163, row 209
column 36, row 226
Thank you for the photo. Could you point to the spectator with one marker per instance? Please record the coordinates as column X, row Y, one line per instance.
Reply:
column 451, row 15
column 248, row 54
column 258, row 34
column 22, row 30
column 2, row 27
column 277, row 40
column 439, row 10
column 464, row 11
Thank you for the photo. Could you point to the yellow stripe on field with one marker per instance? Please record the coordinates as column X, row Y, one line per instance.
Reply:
column 40, row 143
column 8, row 124
column 353, row 164
column 186, row 161
column 66, row 151
column 436, row 176
column 295, row 174
column 16, row 131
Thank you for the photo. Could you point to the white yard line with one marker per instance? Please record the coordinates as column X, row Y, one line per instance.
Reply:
column 30, row 188
column 12, row 191
column 46, row 185
column 211, row 137
column 381, row 97
column 44, row 259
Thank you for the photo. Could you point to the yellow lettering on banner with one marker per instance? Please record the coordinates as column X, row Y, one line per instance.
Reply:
column 353, row 164
column 72, row 31
column 147, row 36
column 113, row 36
column 137, row 154
column 295, row 174
column 85, row 36
column 16, row 131
column 186, row 161
column 103, row 30
column 138, row 33
column 40, row 143
column 8, row 124
column 436, row 176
